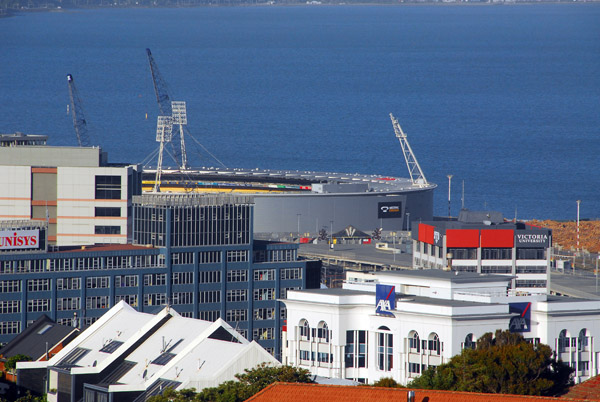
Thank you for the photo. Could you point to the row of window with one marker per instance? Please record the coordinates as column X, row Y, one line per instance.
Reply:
column 122, row 281
column 275, row 255
column 82, row 263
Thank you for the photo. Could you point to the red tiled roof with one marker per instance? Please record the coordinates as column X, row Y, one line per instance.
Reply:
column 589, row 389
column 284, row 392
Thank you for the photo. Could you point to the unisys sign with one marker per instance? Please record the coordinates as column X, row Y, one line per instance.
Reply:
column 19, row 239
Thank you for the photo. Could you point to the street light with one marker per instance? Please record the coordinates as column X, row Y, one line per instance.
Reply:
column 449, row 186
column 578, row 202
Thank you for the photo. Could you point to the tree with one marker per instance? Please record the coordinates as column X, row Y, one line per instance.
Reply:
column 501, row 363
column 387, row 382
column 11, row 363
column 249, row 383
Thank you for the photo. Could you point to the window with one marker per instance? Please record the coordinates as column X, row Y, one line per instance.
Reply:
column 414, row 368
column 564, row 341
column 582, row 340
column 96, row 302
column 237, row 295
column 209, row 257
column 132, row 300
column 210, row 315
column 107, row 211
column 209, row 277
column 496, row 269
column 182, row 298
column 385, row 349
column 463, row 253
column 97, row 282
column 264, row 275
column 155, row 279
column 182, row 258
column 107, row 230
column 182, row 278
column 38, row 285
column 433, row 343
column 263, row 333
column 10, row 306
column 355, row 350
column 469, row 342
column 237, row 276
column 126, row 281
column 323, row 332
column 10, row 327
column 10, row 286
column 38, row 305
column 291, row 273
column 324, row 357
column 283, row 291
column 68, row 303
column 304, row 330
column 264, row 314
column 531, row 283
column 237, row 256
column 68, row 283
column 155, row 299
column 236, row 315
column 528, row 269
column 264, row 294
column 108, row 187
column 531, row 254
column 414, row 342
column 496, row 253
column 210, row 296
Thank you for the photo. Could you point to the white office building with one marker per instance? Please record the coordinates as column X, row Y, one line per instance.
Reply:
column 83, row 198
column 398, row 323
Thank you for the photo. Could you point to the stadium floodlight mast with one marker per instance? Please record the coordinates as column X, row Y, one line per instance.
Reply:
column 164, row 134
column 179, row 115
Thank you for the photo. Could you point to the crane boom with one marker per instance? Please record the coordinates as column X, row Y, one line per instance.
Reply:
column 160, row 87
column 79, row 122
column 170, row 108
column 414, row 169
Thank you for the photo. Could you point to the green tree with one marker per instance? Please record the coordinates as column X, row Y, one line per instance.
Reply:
column 11, row 362
column 387, row 382
column 501, row 363
column 247, row 384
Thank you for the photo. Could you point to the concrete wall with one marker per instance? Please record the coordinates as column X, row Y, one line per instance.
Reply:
column 281, row 213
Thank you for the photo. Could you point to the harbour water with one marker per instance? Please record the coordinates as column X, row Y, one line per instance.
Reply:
column 506, row 98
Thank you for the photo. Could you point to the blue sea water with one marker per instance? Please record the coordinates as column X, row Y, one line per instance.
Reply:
column 506, row 98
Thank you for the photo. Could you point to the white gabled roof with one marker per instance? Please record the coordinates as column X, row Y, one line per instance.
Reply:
column 146, row 347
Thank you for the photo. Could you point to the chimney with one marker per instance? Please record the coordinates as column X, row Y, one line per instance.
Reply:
column 410, row 396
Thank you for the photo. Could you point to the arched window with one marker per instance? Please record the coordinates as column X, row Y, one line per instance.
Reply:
column 469, row 342
column 304, row 329
column 434, row 343
column 414, row 341
column 323, row 331
column 385, row 349
column 563, row 341
column 582, row 340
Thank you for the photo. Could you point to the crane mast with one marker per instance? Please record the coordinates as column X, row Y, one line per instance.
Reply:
column 175, row 109
column 414, row 169
column 79, row 122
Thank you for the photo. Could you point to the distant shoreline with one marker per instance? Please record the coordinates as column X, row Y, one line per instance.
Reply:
column 8, row 12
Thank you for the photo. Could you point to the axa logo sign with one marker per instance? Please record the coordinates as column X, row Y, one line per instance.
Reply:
column 522, row 322
column 385, row 296
column 19, row 239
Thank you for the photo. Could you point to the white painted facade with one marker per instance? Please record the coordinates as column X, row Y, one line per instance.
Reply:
column 437, row 314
